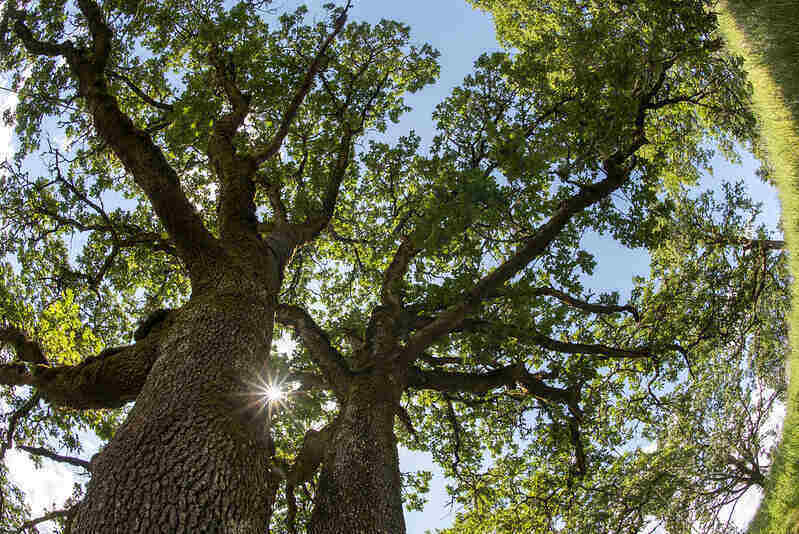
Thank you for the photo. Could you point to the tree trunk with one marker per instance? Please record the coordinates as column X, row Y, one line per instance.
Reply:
column 191, row 456
column 359, row 487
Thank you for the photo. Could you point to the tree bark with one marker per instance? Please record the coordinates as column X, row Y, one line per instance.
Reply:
column 359, row 487
column 192, row 455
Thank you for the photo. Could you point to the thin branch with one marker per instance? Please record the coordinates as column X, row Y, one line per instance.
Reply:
column 585, row 305
column 583, row 348
column 302, row 91
column 50, row 516
column 141, row 94
column 14, row 420
column 315, row 223
column 41, row 451
column 456, row 433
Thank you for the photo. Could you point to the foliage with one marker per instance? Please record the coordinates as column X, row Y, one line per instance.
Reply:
column 535, row 395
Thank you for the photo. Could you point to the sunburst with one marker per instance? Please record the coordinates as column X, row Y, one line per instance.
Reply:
column 268, row 393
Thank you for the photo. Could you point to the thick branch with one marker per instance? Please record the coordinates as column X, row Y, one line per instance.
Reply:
column 133, row 146
column 577, row 443
column 317, row 342
column 107, row 380
column 392, row 277
column 101, row 33
column 235, row 173
column 536, row 245
column 239, row 101
column 35, row 46
column 41, row 451
column 481, row 383
column 26, row 349
column 305, row 465
column 302, row 91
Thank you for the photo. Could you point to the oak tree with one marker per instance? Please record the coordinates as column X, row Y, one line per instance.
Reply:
column 220, row 172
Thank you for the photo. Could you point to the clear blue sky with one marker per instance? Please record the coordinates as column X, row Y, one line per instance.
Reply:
column 460, row 34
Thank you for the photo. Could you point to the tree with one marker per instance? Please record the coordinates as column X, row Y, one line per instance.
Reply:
column 221, row 176
column 706, row 423
column 759, row 33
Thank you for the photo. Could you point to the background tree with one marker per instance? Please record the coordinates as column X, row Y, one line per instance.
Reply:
column 212, row 167
column 758, row 31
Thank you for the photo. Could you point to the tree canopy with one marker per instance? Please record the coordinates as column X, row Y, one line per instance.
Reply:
column 210, row 166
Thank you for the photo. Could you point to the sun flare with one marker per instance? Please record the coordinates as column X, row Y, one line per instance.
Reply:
column 273, row 393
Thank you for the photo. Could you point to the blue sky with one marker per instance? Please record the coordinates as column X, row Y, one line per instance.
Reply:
column 461, row 34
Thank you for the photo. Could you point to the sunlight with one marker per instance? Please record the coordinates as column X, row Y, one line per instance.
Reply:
column 268, row 394
column 273, row 393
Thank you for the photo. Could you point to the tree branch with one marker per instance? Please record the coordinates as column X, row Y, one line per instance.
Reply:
column 239, row 101
column 50, row 516
column 108, row 380
column 41, row 451
column 536, row 245
column 482, row 383
column 577, row 443
column 392, row 277
column 585, row 305
column 27, row 350
column 141, row 94
column 101, row 33
column 584, row 348
column 13, row 421
column 316, row 222
column 302, row 91
column 236, row 203
column 305, row 465
column 756, row 244
column 317, row 342
column 456, row 433
column 35, row 46
column 133, row 146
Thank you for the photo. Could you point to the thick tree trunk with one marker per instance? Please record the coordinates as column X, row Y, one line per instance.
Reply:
column 359, row 487
column 191, row 457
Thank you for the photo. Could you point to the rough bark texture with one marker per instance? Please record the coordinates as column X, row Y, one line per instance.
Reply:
column 359, row 487
column 191, row 457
